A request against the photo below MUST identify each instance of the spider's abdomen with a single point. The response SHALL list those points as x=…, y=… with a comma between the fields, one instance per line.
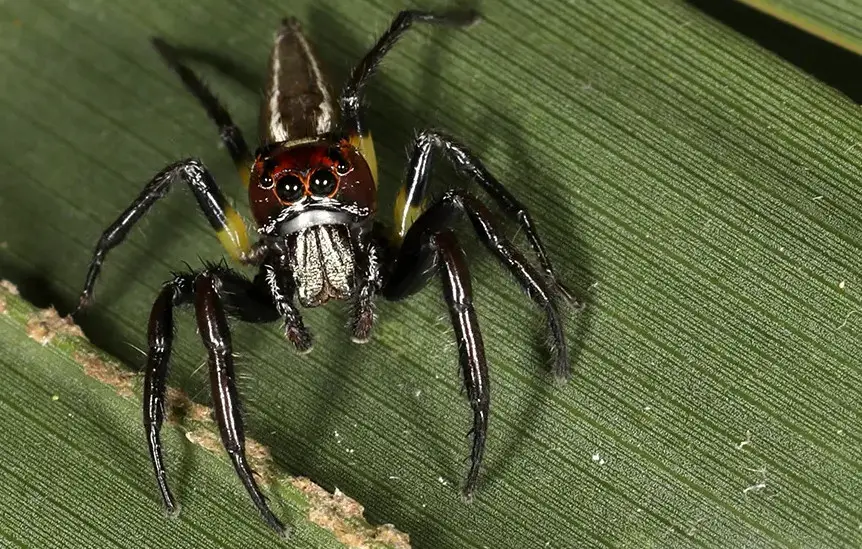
x=321, y=258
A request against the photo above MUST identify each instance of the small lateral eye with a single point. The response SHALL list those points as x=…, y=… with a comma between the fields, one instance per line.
x=289, y=188
x=266, y=182
x=322, y=182
x=342, y=167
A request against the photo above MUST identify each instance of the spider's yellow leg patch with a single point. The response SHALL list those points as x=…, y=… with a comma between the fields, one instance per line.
x=405, y=213
x=244, y=175
x=365, y=145
x=232, y=234
x=244, y=168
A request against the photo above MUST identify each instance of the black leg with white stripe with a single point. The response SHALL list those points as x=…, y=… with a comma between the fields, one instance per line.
x=353, y=91
x=229, y=227
x=216, y=293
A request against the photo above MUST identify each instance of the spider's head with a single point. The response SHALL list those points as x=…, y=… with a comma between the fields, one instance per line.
x=300, y=184
x=314, y=196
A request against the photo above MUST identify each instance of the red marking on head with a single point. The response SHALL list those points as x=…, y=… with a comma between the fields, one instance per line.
x=289, y=173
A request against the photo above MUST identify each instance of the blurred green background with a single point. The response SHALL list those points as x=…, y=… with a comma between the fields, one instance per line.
x=694, y=186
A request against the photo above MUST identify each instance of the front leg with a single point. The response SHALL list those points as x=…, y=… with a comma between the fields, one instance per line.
x=407, y=278
x=160, y=341
x=228, y=224
x=458, y=292
x=242, y=300
x=438, y=250
x=213, y=327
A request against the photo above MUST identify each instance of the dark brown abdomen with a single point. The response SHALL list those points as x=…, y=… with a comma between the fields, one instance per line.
x=297, y=102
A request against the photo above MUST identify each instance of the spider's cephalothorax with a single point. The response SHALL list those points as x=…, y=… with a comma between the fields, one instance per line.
x=312, y=189
x=312, y=198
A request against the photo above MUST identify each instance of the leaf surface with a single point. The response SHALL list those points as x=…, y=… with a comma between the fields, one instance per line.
x=697, y=190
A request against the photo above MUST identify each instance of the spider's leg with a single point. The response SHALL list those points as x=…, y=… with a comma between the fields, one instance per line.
x=243, y=300
x=410, y=201
x=351, y=95
x=160, y=338
x=406, y=279
x=228, y=224
x=282, y=290
x=432, y=248
x=459, y=298
x=230, y=134
x=213, y=327
x=370, y=280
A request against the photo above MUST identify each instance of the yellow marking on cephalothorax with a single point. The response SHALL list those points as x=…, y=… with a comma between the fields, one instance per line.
x=365, y=145
x=405, y=214
x=233, y=235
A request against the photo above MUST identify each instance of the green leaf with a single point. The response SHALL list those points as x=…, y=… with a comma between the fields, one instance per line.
x=699, y=191
x=836, y=22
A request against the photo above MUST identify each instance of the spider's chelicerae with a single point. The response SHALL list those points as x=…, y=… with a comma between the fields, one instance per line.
x=312, y=188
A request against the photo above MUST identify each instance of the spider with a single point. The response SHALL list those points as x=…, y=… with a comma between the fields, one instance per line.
x=312, y=189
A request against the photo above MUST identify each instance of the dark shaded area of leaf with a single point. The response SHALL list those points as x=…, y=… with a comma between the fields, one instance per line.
x=824, y=60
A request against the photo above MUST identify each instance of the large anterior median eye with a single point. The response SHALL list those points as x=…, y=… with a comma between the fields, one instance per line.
x=289, y=188
x=322, y=182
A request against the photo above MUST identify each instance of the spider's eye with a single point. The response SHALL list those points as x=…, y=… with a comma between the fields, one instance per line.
x=289, y=188
x=342, y=167
x=322, y=182
x=266, y=182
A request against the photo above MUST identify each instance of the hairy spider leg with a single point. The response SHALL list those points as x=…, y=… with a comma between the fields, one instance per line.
x=431, y=247
x=245, y=300
x=351, y=97
x=407, y=276
x=409, y=203
x=228, y=224
x=420, y=255
x=230, y=133
x=350, y=102
x=160, y=341
x=213, y=327
x=458, y=293
x=215, y=292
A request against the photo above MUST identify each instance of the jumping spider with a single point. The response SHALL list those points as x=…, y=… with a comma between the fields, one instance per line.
x=312, y=188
